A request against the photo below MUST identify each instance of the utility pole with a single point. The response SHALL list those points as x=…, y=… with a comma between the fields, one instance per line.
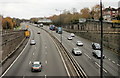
x=101, y=60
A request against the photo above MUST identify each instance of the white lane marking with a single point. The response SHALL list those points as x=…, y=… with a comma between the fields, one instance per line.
x=33, y=53
x=45, y=46
x=30, y=62
x=72, y=43
x=109, y=59
x=45, y=76
x=113, y=61
x=118, y=65
x=87, y=56
x=64, y=37
x=46, y=61
x=16, y=58
x=100, y=66
x=35, y=47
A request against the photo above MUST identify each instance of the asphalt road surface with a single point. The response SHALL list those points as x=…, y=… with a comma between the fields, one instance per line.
x=44, y=51
x=90, y=64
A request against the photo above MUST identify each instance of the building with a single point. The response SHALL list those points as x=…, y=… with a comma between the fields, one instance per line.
x=109, y=13
x=44, y=20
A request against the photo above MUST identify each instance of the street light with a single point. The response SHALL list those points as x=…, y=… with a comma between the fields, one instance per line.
x=60, y=23
x=101, y=61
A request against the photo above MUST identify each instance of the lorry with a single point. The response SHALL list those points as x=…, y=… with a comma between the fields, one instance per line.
x=27, y=34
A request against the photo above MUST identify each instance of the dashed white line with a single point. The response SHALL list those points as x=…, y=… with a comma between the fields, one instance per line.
x=45, y=76
x=45, y=46
x=33, y=53
x=30, y=62
x=46, y=61
x=109, y=59
x=87, y=56
x=99, y=67
x=113, y=61
x=118, y=65
x=72, y=43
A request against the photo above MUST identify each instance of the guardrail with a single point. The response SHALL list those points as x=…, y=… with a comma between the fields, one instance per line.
x=74, y=68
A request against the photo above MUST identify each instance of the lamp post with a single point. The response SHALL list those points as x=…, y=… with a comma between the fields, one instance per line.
x=101, y=60
x=60, y=24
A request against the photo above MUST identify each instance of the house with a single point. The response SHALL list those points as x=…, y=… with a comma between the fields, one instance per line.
x=109, y=13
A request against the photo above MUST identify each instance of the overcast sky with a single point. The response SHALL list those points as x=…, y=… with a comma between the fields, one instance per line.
x=45, y=8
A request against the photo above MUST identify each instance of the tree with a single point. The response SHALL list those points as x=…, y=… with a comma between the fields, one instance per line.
x=95, y=12
x=85, y=13
x=8, y=23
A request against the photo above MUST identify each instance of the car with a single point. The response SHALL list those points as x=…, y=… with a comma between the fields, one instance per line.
x=97, y=54
x=96, y=46
x=69, y=38
x=38, y=32
x=72, y=35
x=32, y=42
x=76, y=51
x=36, y=66
x=79, y=43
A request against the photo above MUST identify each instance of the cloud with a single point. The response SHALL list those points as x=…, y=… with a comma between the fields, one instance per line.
x=38, y=8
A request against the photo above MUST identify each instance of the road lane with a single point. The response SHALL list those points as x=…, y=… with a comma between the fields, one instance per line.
x=45, y=51
x=87, y=49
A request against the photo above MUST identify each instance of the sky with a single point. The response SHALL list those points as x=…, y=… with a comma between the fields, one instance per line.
x=44, y=8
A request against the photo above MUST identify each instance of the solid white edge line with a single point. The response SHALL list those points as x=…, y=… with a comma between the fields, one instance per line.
x=15, y=59
x=61, y=58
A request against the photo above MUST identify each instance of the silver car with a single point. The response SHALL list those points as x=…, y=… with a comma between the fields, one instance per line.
x=79, y=43
x=69, y=38
x=72, y=35
x=32, y=42
x=76, y=51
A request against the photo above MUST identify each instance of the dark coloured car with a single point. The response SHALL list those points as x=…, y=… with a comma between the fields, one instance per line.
x=97, y=54
x=36, y=66
x=96, y=46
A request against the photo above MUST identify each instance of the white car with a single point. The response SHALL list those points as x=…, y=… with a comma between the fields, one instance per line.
x=32, y=42
x=72, y=35
x=69, y=38
x=76, y=51
x=79, y=43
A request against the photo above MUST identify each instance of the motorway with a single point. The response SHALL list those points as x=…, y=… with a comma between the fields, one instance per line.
x=90, y=64
x=46, y=52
